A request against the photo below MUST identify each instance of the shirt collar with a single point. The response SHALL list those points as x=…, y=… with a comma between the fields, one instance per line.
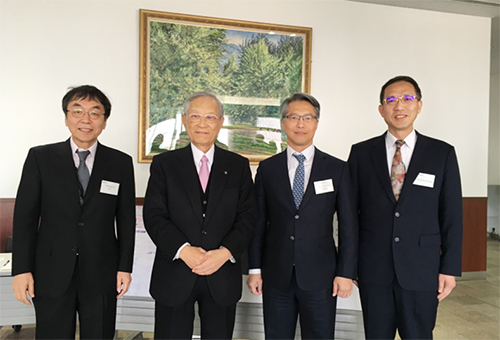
x=307, y=152
x=410, y=140
x=197, y=154
x=75, y=147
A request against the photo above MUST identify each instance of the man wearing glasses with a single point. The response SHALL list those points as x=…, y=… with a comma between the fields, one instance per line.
x=199, y=210
x=74, y=225
x=409, y=203
x=293, y=260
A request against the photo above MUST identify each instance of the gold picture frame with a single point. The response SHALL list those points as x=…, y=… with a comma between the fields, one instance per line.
x=251, y=67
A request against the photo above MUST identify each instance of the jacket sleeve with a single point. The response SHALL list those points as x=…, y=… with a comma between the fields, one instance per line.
x=451, y=218
x=27, y=216
x=125, y=218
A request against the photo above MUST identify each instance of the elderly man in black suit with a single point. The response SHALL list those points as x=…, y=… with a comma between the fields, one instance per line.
x=293, y=259
x=199, y=210
x=74, y=225
x=409, y=203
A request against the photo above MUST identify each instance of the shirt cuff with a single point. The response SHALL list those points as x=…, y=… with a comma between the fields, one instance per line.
x=176, y=257
x=254, y=271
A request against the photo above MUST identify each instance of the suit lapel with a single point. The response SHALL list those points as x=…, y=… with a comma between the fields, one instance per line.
x=283, y=178
x=67, y=169
x=190, y=179
x=378, y=156
x=416, y=163
x=316, y=174
x=101, y=160
x=218, y=178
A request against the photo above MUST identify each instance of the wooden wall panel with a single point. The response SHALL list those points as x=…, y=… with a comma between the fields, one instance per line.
x=474, y=243
x=474, y=246
x=6, y=215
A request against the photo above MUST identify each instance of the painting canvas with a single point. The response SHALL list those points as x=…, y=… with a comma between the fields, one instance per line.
x=251, y=67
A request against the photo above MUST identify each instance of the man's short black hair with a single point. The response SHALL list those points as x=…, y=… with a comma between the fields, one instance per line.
x=87, y=92
x=300, y=97
x=397, y=79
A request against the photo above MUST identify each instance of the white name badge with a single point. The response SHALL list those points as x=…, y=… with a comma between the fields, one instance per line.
x=425, y=180
x=322, y=187
x=110, y=188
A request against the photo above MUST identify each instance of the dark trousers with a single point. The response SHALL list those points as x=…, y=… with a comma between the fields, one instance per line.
x=282, y=307
x=217, y=322
x=56, y=316
x=390, y=307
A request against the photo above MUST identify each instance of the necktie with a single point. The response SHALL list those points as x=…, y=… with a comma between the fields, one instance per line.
x=204, y=172
x=83, y=172
x=298, y=180
x=398, y=170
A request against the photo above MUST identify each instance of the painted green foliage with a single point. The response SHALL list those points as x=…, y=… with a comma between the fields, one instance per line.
x=185, y=59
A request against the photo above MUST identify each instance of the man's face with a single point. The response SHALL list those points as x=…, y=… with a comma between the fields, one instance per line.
x=85, y=130
x=203, y=131
x=300, y=133
x=400, y=115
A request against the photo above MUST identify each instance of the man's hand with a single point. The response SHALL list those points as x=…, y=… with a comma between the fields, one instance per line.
x=193, y=256
x=214, y=260
x=123, y=280
x=446, y=285
x=22, y=283
x=342, y=287
x=254, y=282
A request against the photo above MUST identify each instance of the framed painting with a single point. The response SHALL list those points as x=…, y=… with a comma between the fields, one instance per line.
x=250, y=66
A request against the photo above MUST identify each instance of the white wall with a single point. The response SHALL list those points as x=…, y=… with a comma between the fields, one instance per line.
x=46, y=46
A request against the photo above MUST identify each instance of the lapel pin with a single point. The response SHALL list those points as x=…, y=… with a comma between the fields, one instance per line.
x=225, y=172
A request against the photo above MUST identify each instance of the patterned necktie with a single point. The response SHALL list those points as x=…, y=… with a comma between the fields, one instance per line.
x=83, y=172
x=298, y=180
x=204, y=172
x=397, y=170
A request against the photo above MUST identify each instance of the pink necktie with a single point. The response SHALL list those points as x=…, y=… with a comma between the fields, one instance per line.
x=204, y=172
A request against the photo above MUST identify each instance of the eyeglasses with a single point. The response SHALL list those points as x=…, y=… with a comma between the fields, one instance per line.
x=195, y=117
x=308, y=118
x=405, y=98
x=79, y=113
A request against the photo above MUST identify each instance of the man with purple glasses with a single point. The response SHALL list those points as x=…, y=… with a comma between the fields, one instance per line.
x=409, y=203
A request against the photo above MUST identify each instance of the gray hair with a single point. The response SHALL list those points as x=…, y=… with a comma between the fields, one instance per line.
x=197, y=95
x=300, y=97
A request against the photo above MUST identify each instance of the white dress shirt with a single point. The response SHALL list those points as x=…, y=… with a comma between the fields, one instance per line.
x=89, y=161
x=406, y=149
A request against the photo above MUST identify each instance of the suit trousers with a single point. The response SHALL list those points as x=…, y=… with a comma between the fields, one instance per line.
x=390, y=307
x=317, y=311
x=56, y=316
x=217, y=322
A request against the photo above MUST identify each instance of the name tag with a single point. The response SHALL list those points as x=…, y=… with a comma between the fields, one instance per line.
x=110, y=188
x=322, y=187
x=425, y=180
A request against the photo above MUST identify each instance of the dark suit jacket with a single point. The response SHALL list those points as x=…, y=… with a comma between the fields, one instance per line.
x=285, y=236
x=50, y=225
x=173, y=216
x=418, y=236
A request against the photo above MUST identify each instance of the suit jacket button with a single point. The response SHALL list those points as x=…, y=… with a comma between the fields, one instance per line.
x=81, y=224
x=396, y=214
x=296, y=217
x=396, y=239
x=204, y=232
x=292, y=238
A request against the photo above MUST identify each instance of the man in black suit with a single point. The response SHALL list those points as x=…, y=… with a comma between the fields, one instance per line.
x=199, y=211
x=409, y=203
x=293, y=260
x=74, y=225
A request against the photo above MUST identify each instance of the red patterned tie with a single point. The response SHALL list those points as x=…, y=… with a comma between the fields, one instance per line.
x=398, y=170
